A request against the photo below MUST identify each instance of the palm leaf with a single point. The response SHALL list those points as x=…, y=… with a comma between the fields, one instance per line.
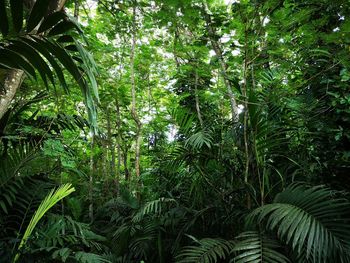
x=50, y=200
x=154, y=207
x=208, y=250
x=254, y=247
x=85, y=257
x=199, y=139
x=45, y=55
x=311, y=220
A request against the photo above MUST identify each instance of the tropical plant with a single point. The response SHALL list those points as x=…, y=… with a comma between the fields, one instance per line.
x=50, y=200
x=256, y=247
x=208, y=250
x=44, y=45
x=312, y=221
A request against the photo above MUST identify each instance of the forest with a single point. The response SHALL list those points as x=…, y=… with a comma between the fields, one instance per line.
x=185, y=131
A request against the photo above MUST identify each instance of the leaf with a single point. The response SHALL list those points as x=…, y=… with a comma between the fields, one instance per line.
x=51, y=21
x=62, y=27
x=199, y=139
x=3, y=206
x=90, y=67
x=17, y=14
x=254, y=247
x=46, y=53
x=4, y=24
x=311, y=220
x=209, y=250
x=85, y=257
x=37, y=13
x=14, y=60
x=34, y=57
x=63, y=253
x=152, y=207
x=50, y=200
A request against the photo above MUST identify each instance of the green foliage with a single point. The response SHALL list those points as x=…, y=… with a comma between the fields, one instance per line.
x=64, y=239
x=14, y=168
x=255, y=247
x=50, y=200
x=50, y=52
x=312, y=220
x=152, y=208
x=208, y=250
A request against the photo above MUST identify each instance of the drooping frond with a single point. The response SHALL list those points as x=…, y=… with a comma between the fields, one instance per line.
x=183, y=119
x=312, y=220
x=45, y=45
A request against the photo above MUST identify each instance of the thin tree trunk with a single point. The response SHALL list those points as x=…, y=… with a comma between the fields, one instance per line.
x=91, y=179
x=176, y=37
x=197, y=99
x=118, y=140
x=133, y=95
x=110, y=143
x=246, y=116
x=76, y=8
x=125, y=162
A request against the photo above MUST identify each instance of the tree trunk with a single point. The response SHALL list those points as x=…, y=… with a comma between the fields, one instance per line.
x=125, y=162
x=12, y=82
x=76, y=8
x=133, y=96
x=197, y=99
x=118, y=124
x=91, y=179
x=110, y=143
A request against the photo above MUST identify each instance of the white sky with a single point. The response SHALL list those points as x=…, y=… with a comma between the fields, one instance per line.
x=228, y=2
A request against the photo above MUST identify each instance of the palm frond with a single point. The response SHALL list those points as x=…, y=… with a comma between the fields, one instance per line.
x=85, y=257
x=197, y=140
x=208, y=250
x=312, y=220
x=15, y=165
x=50, y=200
x=254, y=247
x=183, y=119
x=154, y=207
x=51, y=52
